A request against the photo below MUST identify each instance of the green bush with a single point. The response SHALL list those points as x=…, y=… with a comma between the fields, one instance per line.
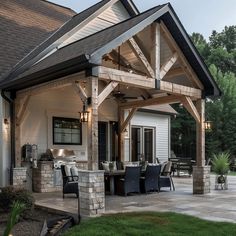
x=9, y=195
x=17, y=209
x=220, y=163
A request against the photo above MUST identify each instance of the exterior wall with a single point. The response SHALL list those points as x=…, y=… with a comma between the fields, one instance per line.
x=4, y=144
x=161, y=123
x=64, y=102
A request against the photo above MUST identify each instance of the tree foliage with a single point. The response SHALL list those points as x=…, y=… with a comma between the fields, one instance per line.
x=220, y=56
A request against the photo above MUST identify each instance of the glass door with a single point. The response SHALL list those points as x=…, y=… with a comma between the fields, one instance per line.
x=148, y=144
x=136, y=145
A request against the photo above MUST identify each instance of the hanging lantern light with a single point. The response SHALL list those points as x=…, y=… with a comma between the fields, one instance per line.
x=208, y=125
x=83, y=115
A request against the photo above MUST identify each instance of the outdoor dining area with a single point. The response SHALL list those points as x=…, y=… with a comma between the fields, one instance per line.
x=134, y=177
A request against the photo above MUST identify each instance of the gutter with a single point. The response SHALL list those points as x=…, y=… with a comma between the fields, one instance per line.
x=12, y=132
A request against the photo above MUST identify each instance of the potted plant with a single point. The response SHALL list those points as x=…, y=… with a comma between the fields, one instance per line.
x=220, y=165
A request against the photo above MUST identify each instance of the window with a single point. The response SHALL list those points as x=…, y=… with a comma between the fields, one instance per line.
x=67, y=131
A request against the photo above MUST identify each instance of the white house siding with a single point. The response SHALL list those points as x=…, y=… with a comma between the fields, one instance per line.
x=4, y=144
x=161, y=123
x=113, y=15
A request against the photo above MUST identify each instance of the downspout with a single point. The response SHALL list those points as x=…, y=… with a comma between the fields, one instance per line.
x=12, y=132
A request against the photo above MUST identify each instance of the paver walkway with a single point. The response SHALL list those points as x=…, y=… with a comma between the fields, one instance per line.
x=219, y=205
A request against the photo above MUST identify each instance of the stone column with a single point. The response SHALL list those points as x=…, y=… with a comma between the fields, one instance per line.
x=20, y=177
x=201, y=173
x=43, y=177
x=201, y=179
x=91, y=193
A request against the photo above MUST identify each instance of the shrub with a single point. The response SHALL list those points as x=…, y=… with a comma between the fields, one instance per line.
x=220, y=163
x=17, y=209
x=9, y=195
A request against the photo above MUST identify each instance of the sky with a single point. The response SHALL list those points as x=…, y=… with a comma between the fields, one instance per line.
x=201, y=16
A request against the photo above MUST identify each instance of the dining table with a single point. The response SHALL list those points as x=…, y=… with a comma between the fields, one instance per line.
x=111, y=176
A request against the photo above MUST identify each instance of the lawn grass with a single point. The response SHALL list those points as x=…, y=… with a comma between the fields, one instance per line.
x=151, y=223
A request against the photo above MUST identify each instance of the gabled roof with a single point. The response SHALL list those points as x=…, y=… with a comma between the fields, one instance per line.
x=89, y=51
x=23, y=25
x=77, y=20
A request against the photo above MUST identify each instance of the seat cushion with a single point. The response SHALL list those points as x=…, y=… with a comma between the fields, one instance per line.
x=68, y=172
x=105, y=166
x=75, y=173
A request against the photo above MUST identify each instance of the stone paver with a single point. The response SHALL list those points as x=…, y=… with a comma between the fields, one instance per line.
x=218, y=205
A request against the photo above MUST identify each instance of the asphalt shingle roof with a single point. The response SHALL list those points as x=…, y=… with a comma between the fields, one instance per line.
x=24, y=24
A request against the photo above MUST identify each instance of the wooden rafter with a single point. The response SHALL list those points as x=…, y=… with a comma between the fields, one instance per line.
x=178, y=89
x=190, y=107
x=106, y=91
x=169, y=63
x=127, y=120
x=140, y=55
x=123, y=77
x=175, y=48
x=152, y=101
x=80, y=91
x=156, y=49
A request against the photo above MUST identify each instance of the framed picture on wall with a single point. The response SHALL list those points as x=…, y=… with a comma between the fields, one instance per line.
x=66, y=131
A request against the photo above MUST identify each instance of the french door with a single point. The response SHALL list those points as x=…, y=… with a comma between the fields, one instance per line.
x=142, y=143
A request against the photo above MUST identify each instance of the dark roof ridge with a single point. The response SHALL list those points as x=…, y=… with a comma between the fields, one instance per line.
x=56, y=4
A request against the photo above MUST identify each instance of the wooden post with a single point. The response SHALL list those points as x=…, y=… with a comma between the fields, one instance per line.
x=92, y=128
x=120, y=135
x=200, y=128
x=156, y=49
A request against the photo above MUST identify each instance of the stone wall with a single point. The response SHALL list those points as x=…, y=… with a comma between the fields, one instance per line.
x=201, y=179
x=91, y=193
x=20, y=177
x=43, y=177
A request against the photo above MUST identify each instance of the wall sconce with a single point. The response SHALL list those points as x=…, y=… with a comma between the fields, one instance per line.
x=6, y=121
x=208, y=125
x=83, y=115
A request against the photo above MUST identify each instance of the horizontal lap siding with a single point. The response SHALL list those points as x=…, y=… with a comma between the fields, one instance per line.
x=109, y=17
x=161, y=124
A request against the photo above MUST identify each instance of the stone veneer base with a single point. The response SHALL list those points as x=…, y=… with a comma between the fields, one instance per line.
x=201, y=179
x=91, y=193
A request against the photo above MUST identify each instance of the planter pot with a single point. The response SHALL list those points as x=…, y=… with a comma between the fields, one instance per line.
x=221, y=182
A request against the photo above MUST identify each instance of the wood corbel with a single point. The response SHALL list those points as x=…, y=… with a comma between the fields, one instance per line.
x=106, y=91
x=127, y=120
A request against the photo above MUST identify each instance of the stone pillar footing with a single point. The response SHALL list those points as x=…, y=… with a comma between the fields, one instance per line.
x=91, y=193
x=201, y=179
x=19, y=177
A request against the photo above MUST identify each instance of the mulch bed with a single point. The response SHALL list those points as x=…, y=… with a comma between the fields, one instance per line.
x=29, y=225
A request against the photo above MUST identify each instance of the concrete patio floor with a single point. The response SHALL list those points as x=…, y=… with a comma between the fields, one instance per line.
x=219, y=205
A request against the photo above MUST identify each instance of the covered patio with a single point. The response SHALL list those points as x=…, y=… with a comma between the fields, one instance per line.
x=148, y=58
x=215, y=206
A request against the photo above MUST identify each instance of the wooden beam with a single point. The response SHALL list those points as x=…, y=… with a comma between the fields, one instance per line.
x=123, y=77
x=80, y=91
x=175, y=48
x=190, y=107
x=156, y=49
x=152, y=101
x=200, y=141
x=140, y=55
x=177, y=89
x=169, y=63
x=48, y=86
x=127, y=120
x=106, y=91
